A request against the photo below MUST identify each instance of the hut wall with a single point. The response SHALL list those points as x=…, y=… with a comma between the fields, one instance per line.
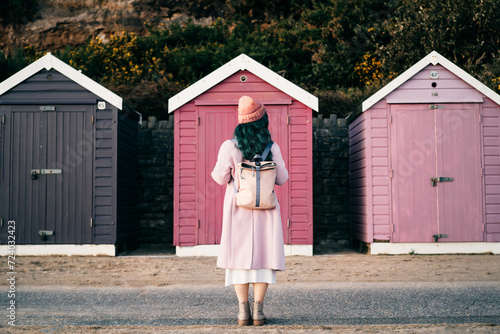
x=360, y=203
x=185, y=223
x=491, y=137
x=297, y=158
x=104, y=223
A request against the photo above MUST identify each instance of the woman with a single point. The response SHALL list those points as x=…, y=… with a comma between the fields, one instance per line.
x=251, y=247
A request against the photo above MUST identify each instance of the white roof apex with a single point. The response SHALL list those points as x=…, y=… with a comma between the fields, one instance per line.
x=50, y=62
x=242, y=63
x=433, y=58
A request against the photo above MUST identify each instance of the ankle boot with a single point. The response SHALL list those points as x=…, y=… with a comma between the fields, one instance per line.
x=258, y=315
x=244, y=315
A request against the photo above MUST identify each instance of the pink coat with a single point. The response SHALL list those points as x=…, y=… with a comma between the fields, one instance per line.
x=251, y=239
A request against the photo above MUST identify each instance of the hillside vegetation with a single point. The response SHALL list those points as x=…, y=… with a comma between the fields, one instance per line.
x=340, y=50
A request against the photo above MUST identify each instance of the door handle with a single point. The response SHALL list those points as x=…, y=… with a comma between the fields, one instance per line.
x=440, y=179
x=35, y=172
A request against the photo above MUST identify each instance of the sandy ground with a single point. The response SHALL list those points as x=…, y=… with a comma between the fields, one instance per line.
x=163, y=270
x=170, y=270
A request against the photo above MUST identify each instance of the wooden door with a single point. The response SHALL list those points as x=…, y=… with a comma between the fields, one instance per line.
x=460, y=204
x=50, y=163
x=279, y=132
x=217, y=124
x=428, y=143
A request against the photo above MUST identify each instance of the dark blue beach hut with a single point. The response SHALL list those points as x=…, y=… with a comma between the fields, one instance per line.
x=68, y=163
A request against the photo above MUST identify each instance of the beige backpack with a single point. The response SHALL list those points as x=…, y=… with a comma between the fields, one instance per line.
x=256, y=181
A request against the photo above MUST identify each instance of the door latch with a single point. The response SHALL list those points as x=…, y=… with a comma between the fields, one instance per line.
x=438, y=236
x=44, y=233
x=35, y=172
x=440, y=179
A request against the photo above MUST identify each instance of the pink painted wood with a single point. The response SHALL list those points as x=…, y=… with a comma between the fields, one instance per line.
x=429, y=143
x=413, y=164
x=491, y=141
x=209, y=119
x=460, y=203
x=459, y=208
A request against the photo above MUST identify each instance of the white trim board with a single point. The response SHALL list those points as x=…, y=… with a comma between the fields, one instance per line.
x=386, y=248
x=213, y=250
x=48, y=62
x=433, y=58
x=69, y=250
x=242, y=63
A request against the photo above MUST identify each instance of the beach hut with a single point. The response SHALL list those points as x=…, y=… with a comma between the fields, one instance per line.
x=205, y=116
x=67, y=163
x=425, y=164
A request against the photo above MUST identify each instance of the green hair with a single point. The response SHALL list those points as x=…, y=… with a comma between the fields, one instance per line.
x=253, y=137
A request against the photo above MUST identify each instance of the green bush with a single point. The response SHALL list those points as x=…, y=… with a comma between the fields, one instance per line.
x=341, y=50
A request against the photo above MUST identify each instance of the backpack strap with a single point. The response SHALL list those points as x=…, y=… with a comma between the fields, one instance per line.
x=266, y=151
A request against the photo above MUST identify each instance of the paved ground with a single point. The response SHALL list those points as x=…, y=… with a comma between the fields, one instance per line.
x=341, y=293
x=304, y=304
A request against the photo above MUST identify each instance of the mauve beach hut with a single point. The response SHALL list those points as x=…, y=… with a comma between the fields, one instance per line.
x=205, y=115
x=68, y=163
x=425, y=164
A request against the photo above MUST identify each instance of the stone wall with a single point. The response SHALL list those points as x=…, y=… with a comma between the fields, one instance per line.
x=156, y=192
x=330, y=184
x=330, y=177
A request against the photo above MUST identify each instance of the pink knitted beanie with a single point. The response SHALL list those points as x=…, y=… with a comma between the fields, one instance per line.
x=249, y=110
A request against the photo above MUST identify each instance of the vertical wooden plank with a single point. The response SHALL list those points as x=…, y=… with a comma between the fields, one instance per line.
x=310, y=211
x=413, y=148
x=176, y=177
x=201, y=182
x=88, y=173
x=51, y=189
x=217, y=125
x=458, y=156
x=280, y=132
x=5, y=171
x=28, y=192
x=114, y=172
x=66, y=175
x=58, y=163
x=17, y=192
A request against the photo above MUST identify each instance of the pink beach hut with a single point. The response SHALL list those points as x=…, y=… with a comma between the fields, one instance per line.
x=425, y=164
x=205, y=115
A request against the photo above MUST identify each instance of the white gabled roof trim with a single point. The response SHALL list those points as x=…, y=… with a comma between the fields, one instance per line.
x=433, y=58
x=50, y=62
x=242, y=63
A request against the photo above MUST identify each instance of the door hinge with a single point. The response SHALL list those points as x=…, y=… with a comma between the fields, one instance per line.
x=480, y=118
x=3, y=119
x=199, y=223
x=287, y=119
x=390, y=119
x=1, y=222
x=390, y=173
x=92, y=119
x=392, y=228
x=288, y=223
x=483, y=227
x=91, y=223
x=199, y=122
